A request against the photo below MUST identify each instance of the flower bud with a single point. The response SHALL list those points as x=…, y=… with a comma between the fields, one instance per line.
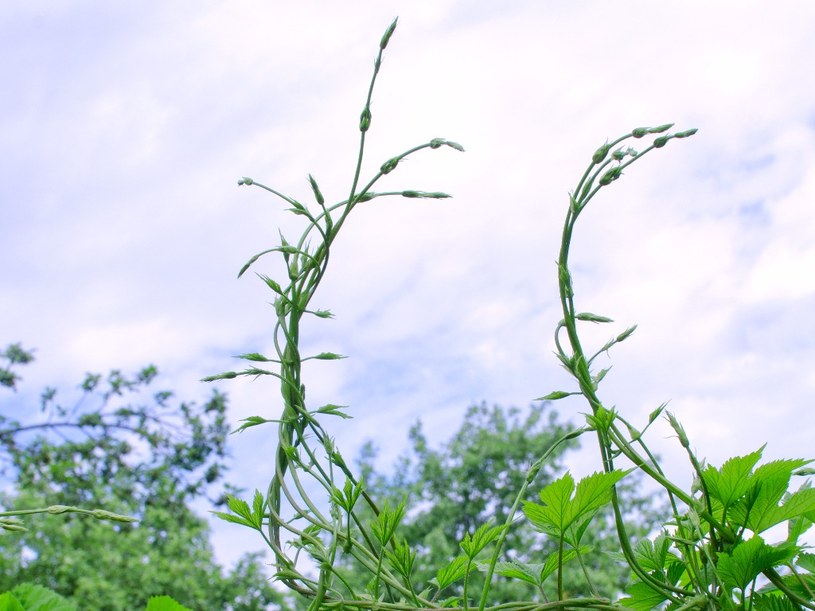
x=365, y=119
x=600, y=153
x=639, y=132
x=660, y=129
x=387, y=35
x=317, y=194
x=686, y=133
x=661, y=141
x=610, y=176
x=389, y=165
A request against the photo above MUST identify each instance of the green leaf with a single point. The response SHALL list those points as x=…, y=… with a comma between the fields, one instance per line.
x=164, y=603
x=652, y=555
x=333, y=410
x=228, y=517
x=34, y=597
x=749, y=558
x=558, y=394
x=732, y=481
x=9, y=603
x=641, y=597
x=530, y=573
x=562, y=516
x=250, y=422
x=453, y=572
x=483, y=536
x=257, y=508
x=550, y=566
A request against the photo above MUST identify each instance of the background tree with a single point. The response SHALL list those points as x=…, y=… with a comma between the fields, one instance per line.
x=125, y=449
x=474, y=477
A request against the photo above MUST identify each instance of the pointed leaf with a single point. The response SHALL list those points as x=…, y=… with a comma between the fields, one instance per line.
x=453, y=572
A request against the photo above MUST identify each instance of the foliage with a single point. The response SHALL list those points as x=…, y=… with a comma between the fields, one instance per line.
x=711, y=554
x=135, y=453
x=474, y=477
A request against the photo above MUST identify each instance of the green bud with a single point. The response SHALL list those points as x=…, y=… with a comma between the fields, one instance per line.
x=317, y=195
x=101, y=514
x=425, y=194
x=661, y=141
x=610, y=176
x=388, y=33
x=365, y=119
x=687, y=133
x=389, y=165
x=365, y=197
x=639, y=132
x=626, y=334
x=56, y=509
x=245, y=181
x=600, y=153
x=589, y=317
x=438, y=142
x=660, y=129
x=619, y=155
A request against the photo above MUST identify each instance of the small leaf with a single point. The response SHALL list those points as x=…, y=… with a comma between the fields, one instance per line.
x=250, y=422
x=333, y=410
x=483, y=536
x=453, y=572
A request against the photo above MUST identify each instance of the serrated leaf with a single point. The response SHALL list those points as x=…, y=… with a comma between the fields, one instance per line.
x=567, y=516
x=530, y=573
x=238, y=507
x=652, y=555
x=35, y=597
x=453, y=572
x=164, y=603
x=642, y=598
x=257, y=508
x=230, y=517
x=9, y=603
x=550, y=565
x=749, y=558
x=481, y=538
x=732, y=480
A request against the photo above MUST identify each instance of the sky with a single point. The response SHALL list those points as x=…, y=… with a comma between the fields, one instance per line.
x=124, y=128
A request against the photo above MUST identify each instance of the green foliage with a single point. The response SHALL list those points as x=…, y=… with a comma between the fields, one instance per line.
x=141, y=457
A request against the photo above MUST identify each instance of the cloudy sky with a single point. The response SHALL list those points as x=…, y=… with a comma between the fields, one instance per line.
x=124, y=128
